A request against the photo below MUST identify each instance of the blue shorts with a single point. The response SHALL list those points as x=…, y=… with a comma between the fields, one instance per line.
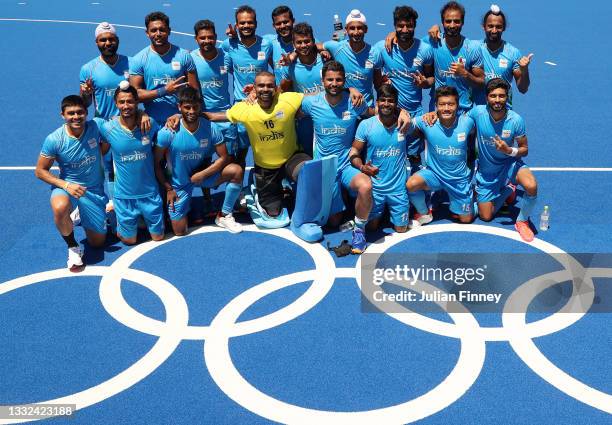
x=459, y=191
x=230, y=135
x=343, y=180
x=182, y=205
x=92, y=208
x=128, y=211
x=489, y=187
x=243, y=138
x=398, y=205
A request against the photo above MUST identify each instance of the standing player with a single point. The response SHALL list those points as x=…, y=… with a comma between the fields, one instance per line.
x=76, y=148
x=386, y=160
x=409, y=67
x=499, y=161
x=335, y=119
x=282, y=41
x=189, y=154
x=136, y=190
x=446, y=159
x=248, y=55
x=159, y=70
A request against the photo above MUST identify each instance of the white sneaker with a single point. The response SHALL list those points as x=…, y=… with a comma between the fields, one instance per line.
x=421, y=219
x=228, y=222
x=75, y=216
x=75, y=259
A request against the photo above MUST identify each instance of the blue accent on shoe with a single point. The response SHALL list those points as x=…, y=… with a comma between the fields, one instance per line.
x=359, y=241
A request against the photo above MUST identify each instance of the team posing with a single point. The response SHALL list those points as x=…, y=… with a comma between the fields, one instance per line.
x=318, y=101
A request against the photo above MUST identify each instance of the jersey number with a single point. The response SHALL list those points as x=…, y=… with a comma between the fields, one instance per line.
x=269, y=124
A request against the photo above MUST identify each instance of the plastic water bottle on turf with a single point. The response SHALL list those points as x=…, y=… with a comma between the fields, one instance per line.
x=338, y=34
x=545, y=219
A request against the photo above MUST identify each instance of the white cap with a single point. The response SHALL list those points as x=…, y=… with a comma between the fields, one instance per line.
x=355, y=16
x=495, y=9
x=105, y=27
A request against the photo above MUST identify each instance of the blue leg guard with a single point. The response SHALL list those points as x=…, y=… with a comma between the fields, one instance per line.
x=258, y=214
x=313, y=198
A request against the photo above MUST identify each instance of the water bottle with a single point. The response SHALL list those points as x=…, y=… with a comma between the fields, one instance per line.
x=544, y=219
x=347, y=226
x=338, y=34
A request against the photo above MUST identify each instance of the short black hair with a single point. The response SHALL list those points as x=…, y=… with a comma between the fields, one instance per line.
x=157, y=16
x=332, y=66
x=497, y=83
x=129, y=89
x=387, y=90
x=303, y=28
x=264, y=74
x=279, y=10
x=204, y=24
x=447, y=91
x=489, y=13
x=452, y=5
x=404, y=13
x=245, y=8
x=188, y=94
x=72, y=100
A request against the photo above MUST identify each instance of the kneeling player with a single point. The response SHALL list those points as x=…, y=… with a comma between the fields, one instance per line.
x=499, y=161
x=446, y=162
x=136, y=189
x=188, y=152
x=386, y=160
x=76, y=148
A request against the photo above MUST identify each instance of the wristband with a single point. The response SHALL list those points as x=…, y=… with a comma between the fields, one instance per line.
x=161, y=92
x=514, y=152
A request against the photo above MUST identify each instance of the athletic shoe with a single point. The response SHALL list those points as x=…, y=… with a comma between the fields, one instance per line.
x=512, y=197
x=524, y=230
x=421, y=219
x=359, y=241
x=75, y=216
x=75, y=259
x=228, y=222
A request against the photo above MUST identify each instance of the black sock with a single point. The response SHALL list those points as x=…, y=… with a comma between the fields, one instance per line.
x=70, y=241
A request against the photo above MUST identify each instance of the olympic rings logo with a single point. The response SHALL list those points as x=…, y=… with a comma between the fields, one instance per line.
x=225, y=325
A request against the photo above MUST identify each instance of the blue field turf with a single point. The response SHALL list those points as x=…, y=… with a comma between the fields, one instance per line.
x=57, y=339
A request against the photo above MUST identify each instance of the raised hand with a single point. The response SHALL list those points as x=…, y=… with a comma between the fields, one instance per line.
x=525, y=60
x=230, y=31
x=501, y=146
x=419, y=79
x=87, y=88
x=174, y=85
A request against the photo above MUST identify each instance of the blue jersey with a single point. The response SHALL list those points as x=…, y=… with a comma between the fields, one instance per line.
x=387, y=151
x=358, y=66
x=133, y=156
x=279, y=48
x=187, y=151
x=246, y=62
x=158, y=71
x=306, y=78
x=446, y=148
x=400, y=64
x=491, y=162
x=79, y=160
x=106, y=79
x=213, y=80
x=468, y=52
x=498, y=64
x=334, y=126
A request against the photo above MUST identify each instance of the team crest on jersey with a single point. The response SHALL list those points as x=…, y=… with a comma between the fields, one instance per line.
x=346, y=115
x=261, y=55
x=506, y=133
x=203, y=143
x=503, y=63
x=279, y=115
x=145, y=140
x=222, y=70
x=400, y=137
x=369, y=64
x=461, y=137
x=92, y=143
x=176, y=66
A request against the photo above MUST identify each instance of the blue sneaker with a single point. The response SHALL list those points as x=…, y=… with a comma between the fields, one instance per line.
x=359, y=241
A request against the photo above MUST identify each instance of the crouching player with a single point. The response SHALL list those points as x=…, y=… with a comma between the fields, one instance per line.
x=386, y=160
x=136, y=191
x=446, y=159
x=188, y=153
x=500, y=164
x=76, y=148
